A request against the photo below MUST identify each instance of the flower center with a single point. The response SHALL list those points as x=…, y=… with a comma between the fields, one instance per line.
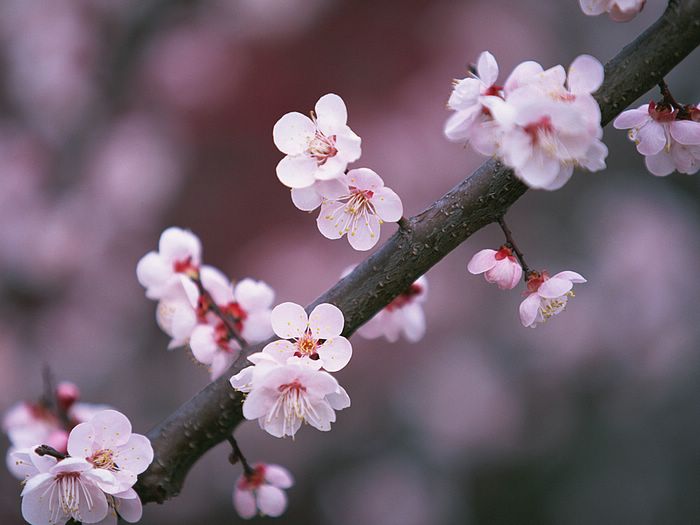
x=359, y=201
x=552, y=307
x=103, y=459
x=540, y=129
x=322, y=148
x=504, y=252
x=254, y=480
x=535, y=280
x=661, y=113
x=186, y=266
x=67, y=489
x=307, y=346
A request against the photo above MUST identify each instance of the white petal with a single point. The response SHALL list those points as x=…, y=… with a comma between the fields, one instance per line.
x=364, y=179
x=35, y=503
x=112, y=428
x=271, y=500
x=660, y=164
x=487, y=68
x=81, y=441
x=482, y=261
x=387, y=204
x=652, y=138
x=257, y=327
x=176, y=244
x=332, y=220
x=280, y=350
x=130, y=509
x=278, y=476
x=257, y=403
x=254, y=295
x=297, y=172
x=365, y=234
x=244, y=503
x=331, y=113
x=339, y=399
x=293, y=132
x=136, y=455
x=153, y=272
x=306, y=199
x=571, y=276
x=326, y=320
x=529, y=308
x=632, y=118
x=349, y=145
x=289, y=320
x=203, y=345
x=95, y=509
x=335, y=353
x=686, y=131
x=554, y=287
x=414, y=322
x=459, y=125
x=585, y=74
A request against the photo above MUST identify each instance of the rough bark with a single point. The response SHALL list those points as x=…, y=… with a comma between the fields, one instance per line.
x=425, y=239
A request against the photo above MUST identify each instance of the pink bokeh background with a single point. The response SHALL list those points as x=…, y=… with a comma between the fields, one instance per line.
x=120, y=118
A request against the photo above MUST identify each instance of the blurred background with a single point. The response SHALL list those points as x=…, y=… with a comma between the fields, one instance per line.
x=119, y=118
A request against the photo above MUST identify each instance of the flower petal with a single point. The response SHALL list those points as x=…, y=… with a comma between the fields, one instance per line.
x=280, y=350
x=365, y=233
x=293, y=132
x=289, y=320
x=387, y=204
x=554, y=287
x=482, y=261
x=136, y=455
x=278, y=476
x=244, y=503
x=571, y=276
x=487, y=68
x=331, y=113
x=326, y=321
x=632, y=118
x=296, y=172
x=306, y=199
x=112, y=428
x=81, y=441
x=335, y=353
x=585, y=74
x=529, y=308
x=271, y=500
x=254, y=295
x=686, y=131
x=364, y=179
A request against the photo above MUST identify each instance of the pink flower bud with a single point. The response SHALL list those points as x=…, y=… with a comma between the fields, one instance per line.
x=67, y=393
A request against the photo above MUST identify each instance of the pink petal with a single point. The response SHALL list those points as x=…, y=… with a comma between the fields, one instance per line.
x=278, y=476
x=176, y=244
x=257, y=327
x=365, y=179
x=332, y=220
x=339, y=399
x=413, y=322
x=326, y=320
x=529, y=308
x=459, y=124
x=387, y=204
x=293, y=132
x=296, y=172
x=585, y=74
x=289, y=320
x=506, y=274
x=539, y=171
x=660, y=164
x=280, y=350
x=95, y=508
x=686, y=131
x=335, y=353
x=244, y=503
x=632, y=118
x=365, y=233
x=153, y=271
x=565, y=173
x=487, y=68
x=306, y=199
x=571, y=276
x=112, y=428
x=482, y=261
x=253, y=295
x=271, y=500
x=349, y=146
x=136, y=455
x=522, y=75
x=221, y=363
x=331, y=113
x=129, y=506
x=332, y=169
x=35, y=503
x=652, y=138
x=257, y=403
x=81, y=441
x=554, y=287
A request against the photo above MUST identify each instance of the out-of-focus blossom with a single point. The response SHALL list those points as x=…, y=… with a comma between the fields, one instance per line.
x=127, y=505
x=317, y=148
x=499, y=267
x=402, y=316
x=286, y=395
x=360, y=212
x=179, y=253
x=618, y=10
x=262, y=491
x=314, y=338
x=57, y=491
x=106, y=443
x=547, y=296
x=667, y=141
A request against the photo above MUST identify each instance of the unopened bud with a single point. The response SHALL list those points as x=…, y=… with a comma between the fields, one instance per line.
x=67, y=393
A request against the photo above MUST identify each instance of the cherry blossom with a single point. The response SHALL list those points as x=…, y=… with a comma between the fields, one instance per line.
x=402, y=316
x=668, y=142
x=106, y=443
x=285, y=395
x=261, y=491
x=314, y=337
x=179, y=253
x=360, y=212
x=316, y=148
x=618, y=10
x=499, y=267
x=56, y=491
x=311, y=197
x=465, y=99
x=127, y=505
x=176, y=315
x=547, y=296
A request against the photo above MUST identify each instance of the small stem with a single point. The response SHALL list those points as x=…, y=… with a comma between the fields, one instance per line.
x=49, y=398
x=668, y=97
x=404, y=224
x=514, y=247
x=45, y=450
x=237, y=455
x=228, y=321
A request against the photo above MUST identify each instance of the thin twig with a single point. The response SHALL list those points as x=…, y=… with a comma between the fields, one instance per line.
x=45, y=450
x=237, y=455
x=225, y=318
x=511, y=244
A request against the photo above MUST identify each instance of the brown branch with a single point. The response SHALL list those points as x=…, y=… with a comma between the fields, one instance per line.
x=510, y=241
x=480, y=199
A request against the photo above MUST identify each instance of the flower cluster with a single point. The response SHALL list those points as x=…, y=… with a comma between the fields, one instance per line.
x=318, y=150
x=47, y=421
x=93, y=482
x=618, y=10
x=545, y=296
x=402, y=316
x=198, y=305
x=289, y=382
x=668, y=136
x=541, y=123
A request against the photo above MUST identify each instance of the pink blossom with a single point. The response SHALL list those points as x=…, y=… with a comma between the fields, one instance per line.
x=402, y=316
x=127, y=505
x=315, y=337
x=317, y=148
x=465, y=99
x=366, y=204
x=499, y=267
x=618, y=10
x=179, y=253
x=56, y=491
x=286, y=395
x=106, y=443
x=261, y=491
x=547, y=296
x=667, y=142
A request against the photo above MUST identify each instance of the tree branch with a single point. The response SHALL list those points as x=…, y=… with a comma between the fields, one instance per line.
x=423, y=240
